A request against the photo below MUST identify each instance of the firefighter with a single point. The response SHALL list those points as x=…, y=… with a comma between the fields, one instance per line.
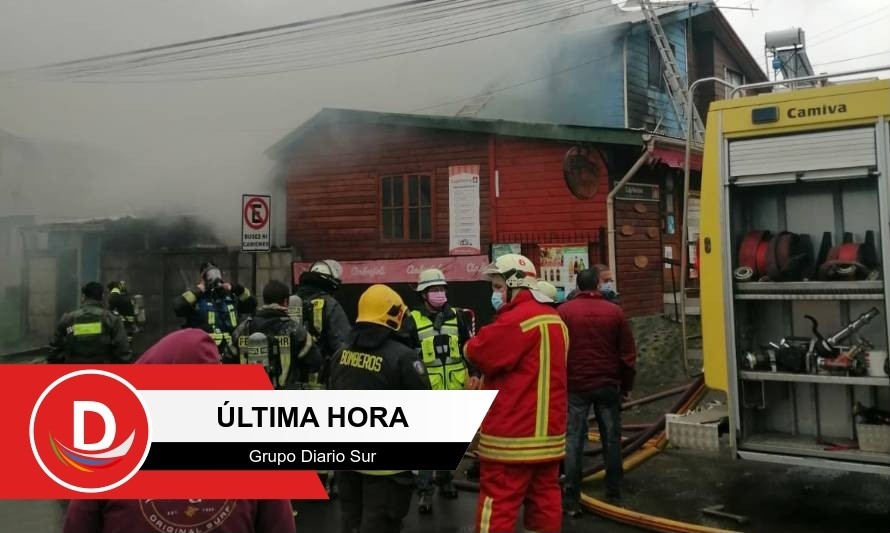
x=120, y=303
x=323, y=316
x=214, y=305
x=522, y=355
x=440, y=333
x=284, y=348
x=326, y=321
x=377, y=501
x=91, y=334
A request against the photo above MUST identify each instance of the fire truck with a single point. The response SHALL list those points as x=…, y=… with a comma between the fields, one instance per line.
x=795, y=257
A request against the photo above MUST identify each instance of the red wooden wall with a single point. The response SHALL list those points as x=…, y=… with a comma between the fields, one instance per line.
x=333, y=199
x=333, y=206
x=534, y=200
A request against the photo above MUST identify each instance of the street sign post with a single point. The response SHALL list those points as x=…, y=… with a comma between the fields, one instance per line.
x=256, y=221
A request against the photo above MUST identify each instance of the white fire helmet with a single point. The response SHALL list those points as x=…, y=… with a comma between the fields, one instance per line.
x=329, y=268
x=431, y=277
x=518, y=272
x=548, y=289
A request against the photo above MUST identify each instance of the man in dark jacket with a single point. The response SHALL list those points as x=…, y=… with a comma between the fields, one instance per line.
x=291, y=354
x=376, y=501
x=600, y=369
x=91, y=334
x=214, y=305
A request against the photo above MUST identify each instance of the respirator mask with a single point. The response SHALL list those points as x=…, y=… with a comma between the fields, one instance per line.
x=212, y=278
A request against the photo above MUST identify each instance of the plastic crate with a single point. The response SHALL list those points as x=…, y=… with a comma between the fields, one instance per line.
x=696, y=431
x=874, y=437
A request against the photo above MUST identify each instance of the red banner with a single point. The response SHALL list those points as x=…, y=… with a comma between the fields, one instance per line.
x=36, y=466
x=458, y=268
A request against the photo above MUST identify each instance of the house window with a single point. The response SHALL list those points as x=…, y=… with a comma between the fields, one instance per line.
x=656, y=65
x=733, y=77
x=406, y=207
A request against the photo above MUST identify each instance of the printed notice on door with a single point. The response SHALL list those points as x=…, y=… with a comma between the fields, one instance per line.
x=463, y=210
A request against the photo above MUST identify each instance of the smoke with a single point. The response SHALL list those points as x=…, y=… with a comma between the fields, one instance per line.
x=193, y=148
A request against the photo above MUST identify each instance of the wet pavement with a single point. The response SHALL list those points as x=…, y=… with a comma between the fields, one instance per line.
x=675, y=484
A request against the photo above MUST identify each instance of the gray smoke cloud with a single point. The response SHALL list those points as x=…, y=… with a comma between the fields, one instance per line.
x=194, y=147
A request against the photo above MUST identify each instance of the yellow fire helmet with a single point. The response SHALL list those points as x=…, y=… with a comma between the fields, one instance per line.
x=381, y=305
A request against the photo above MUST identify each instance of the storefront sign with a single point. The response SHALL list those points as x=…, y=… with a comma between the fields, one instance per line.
x=463, y=210
x=458, y=268
x=640, y=192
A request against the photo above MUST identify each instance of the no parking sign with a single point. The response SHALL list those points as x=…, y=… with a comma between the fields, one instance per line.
x=256, y=214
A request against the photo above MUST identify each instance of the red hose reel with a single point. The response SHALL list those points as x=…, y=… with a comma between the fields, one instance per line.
x=787, y=256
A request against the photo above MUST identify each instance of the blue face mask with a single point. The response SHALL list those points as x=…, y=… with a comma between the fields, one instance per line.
x=497, y=300
x=607, y=287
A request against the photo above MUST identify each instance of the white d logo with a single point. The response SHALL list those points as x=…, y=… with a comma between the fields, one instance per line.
x=83, y=407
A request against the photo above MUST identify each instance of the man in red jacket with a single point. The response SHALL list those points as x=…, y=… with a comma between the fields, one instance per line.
x=600, y=367
x=521, y=354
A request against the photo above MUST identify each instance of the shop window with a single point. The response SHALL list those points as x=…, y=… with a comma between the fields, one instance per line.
x=406, y=207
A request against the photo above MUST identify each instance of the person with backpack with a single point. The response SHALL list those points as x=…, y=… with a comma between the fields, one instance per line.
x=276, y=341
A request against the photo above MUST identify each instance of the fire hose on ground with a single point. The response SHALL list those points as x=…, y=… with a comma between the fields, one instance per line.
x=635, y=451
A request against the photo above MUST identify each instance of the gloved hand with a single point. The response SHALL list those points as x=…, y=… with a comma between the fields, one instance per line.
x=473, y=383
x=226, y=287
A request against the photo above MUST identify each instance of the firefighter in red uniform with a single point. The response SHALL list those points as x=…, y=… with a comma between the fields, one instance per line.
x=522, y=355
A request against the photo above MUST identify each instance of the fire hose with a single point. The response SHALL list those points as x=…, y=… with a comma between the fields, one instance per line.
x=635, y=452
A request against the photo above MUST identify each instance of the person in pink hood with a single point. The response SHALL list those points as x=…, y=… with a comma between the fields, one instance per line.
x=185, y=346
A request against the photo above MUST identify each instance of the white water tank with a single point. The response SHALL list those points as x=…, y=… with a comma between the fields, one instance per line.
x=790, y=38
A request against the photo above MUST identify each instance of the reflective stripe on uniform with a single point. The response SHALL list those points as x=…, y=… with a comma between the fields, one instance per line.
x=190, y=297
x=87, y=328
x=218, y=338
x=244, y=295
x=284, y=357
x=543, y=323
x=233, y=316
x=452, y=373
x=485, y=519
x=522, y=448
x=318, y=315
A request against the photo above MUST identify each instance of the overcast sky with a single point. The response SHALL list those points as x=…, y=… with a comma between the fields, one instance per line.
x=202, y=141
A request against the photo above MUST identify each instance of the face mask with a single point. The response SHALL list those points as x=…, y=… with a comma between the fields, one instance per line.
x=437, y=299
x=497, y=300
x=607, y=287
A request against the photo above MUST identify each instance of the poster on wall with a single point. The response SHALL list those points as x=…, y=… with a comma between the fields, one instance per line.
x=498, y=250
x=463, y=210
x=560, y=265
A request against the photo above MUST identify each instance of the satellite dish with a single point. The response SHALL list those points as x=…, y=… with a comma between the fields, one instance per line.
x=583, y=169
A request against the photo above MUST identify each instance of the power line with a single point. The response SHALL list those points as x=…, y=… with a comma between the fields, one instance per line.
x=300, y=34
x=267, y=29
x=333, y=50
x=464, y=38
x=842, y=24
x=848, y=30
x=851, y=58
